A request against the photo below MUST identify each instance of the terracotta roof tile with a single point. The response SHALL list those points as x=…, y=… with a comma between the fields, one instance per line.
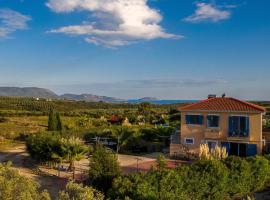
x=223, y=104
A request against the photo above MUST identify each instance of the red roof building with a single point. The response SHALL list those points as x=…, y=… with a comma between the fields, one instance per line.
x=224, y=104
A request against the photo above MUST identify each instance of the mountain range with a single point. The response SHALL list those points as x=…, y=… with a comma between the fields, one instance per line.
x=46, y=93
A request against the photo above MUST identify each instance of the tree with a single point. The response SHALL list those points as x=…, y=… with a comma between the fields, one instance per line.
x=16, y=187
x=59, y=122
x=52, y=121
x=43, y=146
x=75, y=191
x=74, y=150
x=104, y=168
x=123, y=134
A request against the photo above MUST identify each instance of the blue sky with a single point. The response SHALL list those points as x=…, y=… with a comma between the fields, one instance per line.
x=170, y=49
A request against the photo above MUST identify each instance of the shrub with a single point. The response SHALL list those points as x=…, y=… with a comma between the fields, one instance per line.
x=75, y=191
x=260, y=172
x=207, y=179
x=209, y=154
x=103, y=168
x=240, y=179
x=15, y=186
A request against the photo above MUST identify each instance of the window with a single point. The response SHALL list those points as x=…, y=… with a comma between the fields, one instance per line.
x=238, y=126
x=189, y=141
x=212, y=121
x=194, y=119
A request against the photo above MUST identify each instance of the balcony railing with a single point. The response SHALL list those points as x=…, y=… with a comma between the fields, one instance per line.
x=212, y=134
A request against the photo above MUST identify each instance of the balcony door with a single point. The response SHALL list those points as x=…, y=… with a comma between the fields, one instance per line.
x=238, y=126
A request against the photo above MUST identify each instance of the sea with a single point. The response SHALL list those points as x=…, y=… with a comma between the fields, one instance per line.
x=164, y=102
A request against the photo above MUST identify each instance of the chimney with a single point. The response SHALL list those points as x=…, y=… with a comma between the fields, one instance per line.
x=211, y=96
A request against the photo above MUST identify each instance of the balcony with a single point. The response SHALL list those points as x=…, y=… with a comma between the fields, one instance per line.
x=212, y=134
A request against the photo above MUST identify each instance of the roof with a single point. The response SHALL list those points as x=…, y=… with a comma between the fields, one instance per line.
x=226, y=104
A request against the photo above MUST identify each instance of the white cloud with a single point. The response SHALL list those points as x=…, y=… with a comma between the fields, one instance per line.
x=117, y=22
x=208, y=12
x=11, y=21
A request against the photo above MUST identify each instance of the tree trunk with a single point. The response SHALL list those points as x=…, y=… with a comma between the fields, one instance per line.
x=71, y=165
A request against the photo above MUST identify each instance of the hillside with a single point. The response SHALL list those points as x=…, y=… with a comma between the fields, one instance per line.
x=27, y=92
x=89, y=97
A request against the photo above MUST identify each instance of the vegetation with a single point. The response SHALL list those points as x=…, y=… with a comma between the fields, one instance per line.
x=54, y=121
x=75, y=191
x=134, y=128
x=14, y=186
x=103, y=168
x=206, y=179
x=53, y=148
x=217, y=153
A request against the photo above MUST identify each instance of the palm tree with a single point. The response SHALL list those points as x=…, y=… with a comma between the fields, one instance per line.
x=123, y=135
x=75, y=150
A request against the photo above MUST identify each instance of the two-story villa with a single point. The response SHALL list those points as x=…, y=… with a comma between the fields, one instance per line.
x=223, y=121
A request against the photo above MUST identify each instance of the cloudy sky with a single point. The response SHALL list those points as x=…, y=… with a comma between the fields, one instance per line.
x=170, y=49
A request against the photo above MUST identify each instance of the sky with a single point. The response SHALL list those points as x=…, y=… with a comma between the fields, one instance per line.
x=169, y=49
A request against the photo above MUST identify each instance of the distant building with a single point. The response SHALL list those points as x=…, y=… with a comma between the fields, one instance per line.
x=227, y=122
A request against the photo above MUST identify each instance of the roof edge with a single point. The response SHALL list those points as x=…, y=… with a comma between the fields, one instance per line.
x=260, y=109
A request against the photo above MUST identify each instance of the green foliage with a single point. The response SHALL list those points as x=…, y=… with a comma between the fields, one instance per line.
x=165, y=185
x=43, y=146
x=75, y=191
x=207, y=179
x=16, y=187
x=30, y=106
x=232, y=178
x=51, y=147
x=161, y=162
x=74, y=150
x=59, y=122
x=123, y=135
x=240, y=179
x=103, y=168
x=54, y=121
x=260, y=172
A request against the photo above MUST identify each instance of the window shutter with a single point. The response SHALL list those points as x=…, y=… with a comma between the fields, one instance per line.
x=201, y=120
x=208, y=121
x=252, y=149
x=187, y=119
x=230, y=126
x=247, y=126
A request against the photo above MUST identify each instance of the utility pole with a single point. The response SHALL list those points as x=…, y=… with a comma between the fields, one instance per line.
x=175, y=164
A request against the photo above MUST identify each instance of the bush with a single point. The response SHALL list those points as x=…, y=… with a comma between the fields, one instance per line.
x=14, y=186
x=103, y=168
x=43, y=146
x=207, y=179
x=75, y=191
x=260, y=172
x=240, y=179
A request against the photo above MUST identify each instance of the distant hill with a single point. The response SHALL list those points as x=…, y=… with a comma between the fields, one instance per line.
x=27, y=92
x=144, y=99
x=90, y=98
x=48, y=94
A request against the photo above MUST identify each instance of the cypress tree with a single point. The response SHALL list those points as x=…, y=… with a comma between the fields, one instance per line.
x=59, y=123
x=52, y=121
